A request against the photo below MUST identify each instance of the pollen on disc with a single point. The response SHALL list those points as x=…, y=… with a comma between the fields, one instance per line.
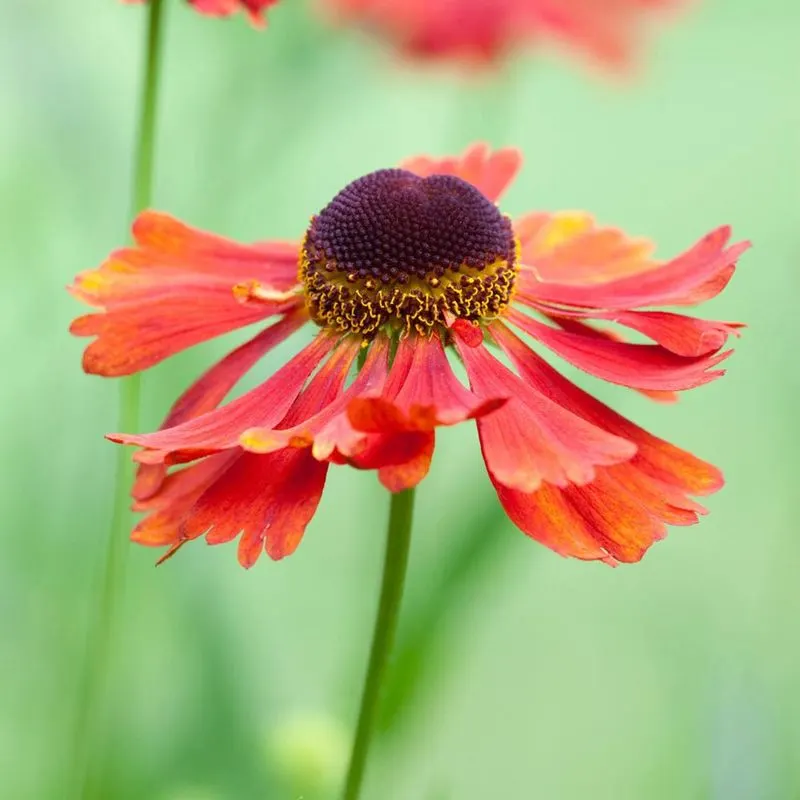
x=393, y=248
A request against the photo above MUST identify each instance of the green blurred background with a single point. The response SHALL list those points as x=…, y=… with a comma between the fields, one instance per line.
x=546, y=678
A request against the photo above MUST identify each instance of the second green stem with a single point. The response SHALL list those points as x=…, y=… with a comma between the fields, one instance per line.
x=93, y=692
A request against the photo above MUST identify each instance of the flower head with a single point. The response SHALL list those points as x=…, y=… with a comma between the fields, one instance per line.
x=404, y=273
x=255, y=9
x=483, y=31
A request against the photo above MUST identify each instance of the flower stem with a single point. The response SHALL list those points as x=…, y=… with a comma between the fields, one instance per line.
x=99, y=646
x=398, y=539
x=145, y=140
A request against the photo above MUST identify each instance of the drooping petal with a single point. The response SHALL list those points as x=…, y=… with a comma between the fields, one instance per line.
x=210, y=390
x=697, y=275
x=667, y=502
x=268, y=499
x=490, y=172
x=148, y=480
x=176, y=495
x=265, y=405
x=627, y=506
x=591, y=522
x=531, y=439
x=640, y=366
x=661, y=460
x=409, y=470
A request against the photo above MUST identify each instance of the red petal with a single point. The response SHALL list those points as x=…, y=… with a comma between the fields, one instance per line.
x=469, y=333
x=640, y=366
x=268, y=499
x=394, y=432
x=210, y=390
x=325, y=428
x=490, y=172
x=658, y=459
x=430, y=395
x=149, y=479
x=576, y=325
x=623, y=511
x=177, y=495
x=681, y=334
x=411, y=469
x=532, y=439
x=220, y=429
x=685, y=336
x=212, y=387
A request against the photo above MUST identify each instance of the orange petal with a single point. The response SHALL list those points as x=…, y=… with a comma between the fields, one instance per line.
x=173, y=290
x=569, y=247
x=696, y=276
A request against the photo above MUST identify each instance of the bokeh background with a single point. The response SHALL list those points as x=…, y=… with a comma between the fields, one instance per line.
x=520, y=675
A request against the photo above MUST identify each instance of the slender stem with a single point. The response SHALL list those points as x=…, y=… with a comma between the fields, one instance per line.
x=145, y=140
x=398, y=539
x=99, y=646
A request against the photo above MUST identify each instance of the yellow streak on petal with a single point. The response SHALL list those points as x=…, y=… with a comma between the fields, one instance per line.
x=565, y=225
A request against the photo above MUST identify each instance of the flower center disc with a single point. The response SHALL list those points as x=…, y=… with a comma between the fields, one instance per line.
x=393, y=249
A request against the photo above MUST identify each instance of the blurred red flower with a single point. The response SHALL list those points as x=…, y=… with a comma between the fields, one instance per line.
x=224, y=8
x=485, y=30
x=405, y=272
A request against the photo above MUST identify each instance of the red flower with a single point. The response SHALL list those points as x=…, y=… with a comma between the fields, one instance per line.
x=224, y=8
x=413, y=268
x=485, y=30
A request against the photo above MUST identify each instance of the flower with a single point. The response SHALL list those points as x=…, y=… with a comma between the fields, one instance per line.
x=483, y=31
x=224, y=8
x=404, y=271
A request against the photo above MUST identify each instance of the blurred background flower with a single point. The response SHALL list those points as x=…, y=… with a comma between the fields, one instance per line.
x=255, y=9
x=577, y=681
x=481, y=32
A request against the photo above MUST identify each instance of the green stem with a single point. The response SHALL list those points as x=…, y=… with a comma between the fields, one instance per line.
x=145, y=140
x=394, y=574
x=99, y=647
